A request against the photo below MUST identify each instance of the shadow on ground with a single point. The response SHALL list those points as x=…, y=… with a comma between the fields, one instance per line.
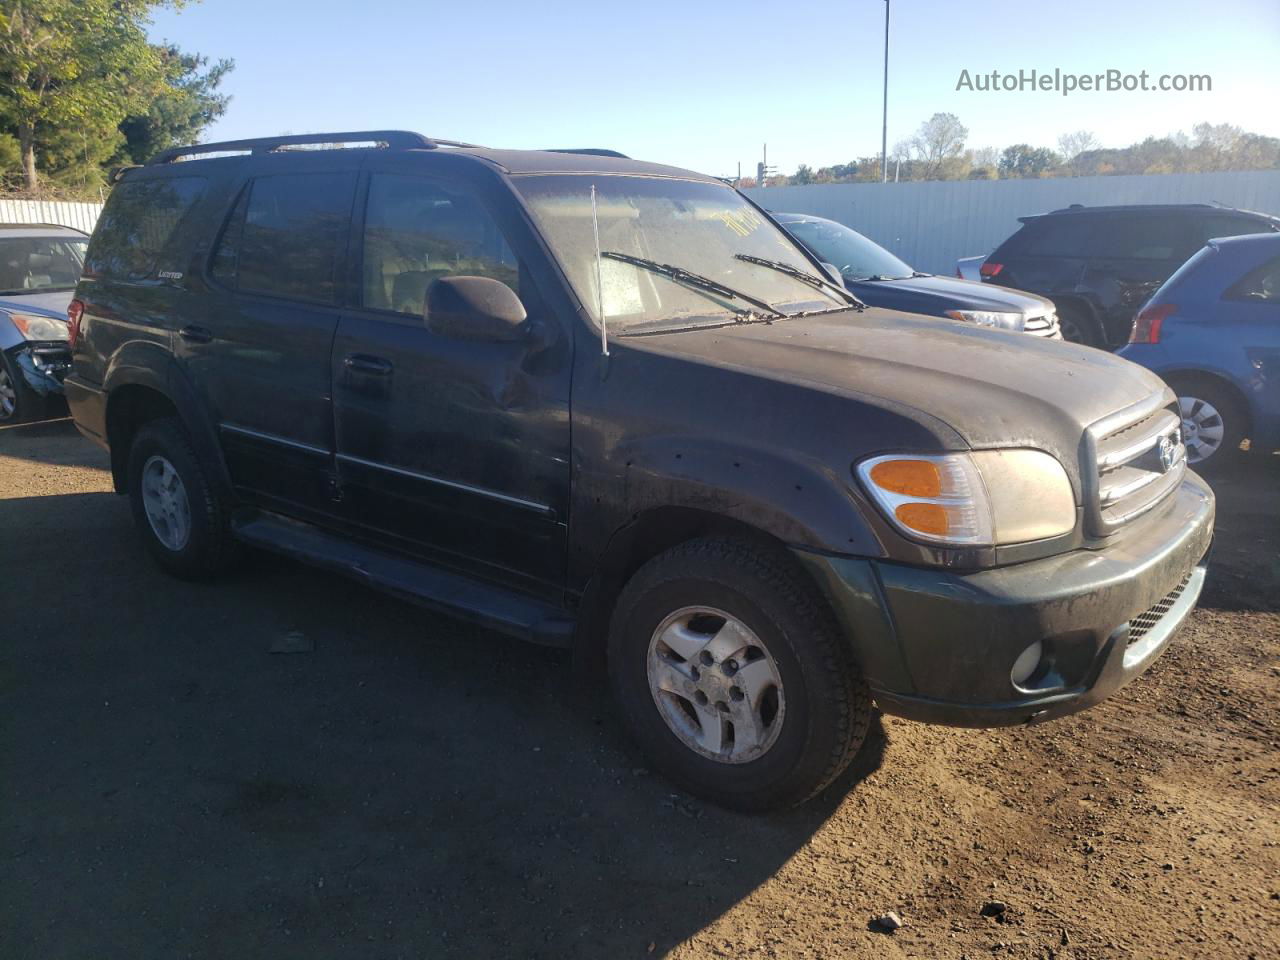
x=172, y=787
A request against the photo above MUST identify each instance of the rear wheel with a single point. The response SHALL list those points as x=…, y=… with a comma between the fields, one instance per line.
x=1078, y=327
x=18, y=402
x=730, y=673
x=1213, y=422
x=176, y=507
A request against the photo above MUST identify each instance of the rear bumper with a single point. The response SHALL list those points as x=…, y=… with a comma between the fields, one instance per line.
x=939, y=646
x=88, y=405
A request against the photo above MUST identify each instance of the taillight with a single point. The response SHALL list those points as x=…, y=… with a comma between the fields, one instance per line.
x=75, y=310
x=1147, y=324
x=990, y=269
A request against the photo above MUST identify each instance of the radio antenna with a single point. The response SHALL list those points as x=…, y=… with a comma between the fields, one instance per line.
x=595, y=226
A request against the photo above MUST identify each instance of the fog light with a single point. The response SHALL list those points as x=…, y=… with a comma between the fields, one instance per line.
x=1026, y=664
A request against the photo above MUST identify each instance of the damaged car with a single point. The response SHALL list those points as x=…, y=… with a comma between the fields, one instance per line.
x=39, y=267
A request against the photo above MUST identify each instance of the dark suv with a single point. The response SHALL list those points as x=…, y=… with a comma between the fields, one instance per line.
x=608, y=405
x=1100, y=264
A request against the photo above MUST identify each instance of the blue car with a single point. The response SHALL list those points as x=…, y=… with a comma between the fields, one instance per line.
x=1212, y=331
x=39, y=266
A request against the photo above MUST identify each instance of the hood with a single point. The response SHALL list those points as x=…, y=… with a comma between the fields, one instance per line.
x=51, y=304
x=934, y=295
x=994, y=388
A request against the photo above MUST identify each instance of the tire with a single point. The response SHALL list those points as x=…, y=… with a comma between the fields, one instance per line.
x=1214, y=422
x=18, y=402
x=161, y=451
x=791, y=746
x=1078, y=327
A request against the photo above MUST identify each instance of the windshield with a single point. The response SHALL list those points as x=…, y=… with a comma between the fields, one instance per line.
x=32, y=264
x=856, y=257
x=695, y=226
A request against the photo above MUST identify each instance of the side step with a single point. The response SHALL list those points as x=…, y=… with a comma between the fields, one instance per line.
x=474, y=601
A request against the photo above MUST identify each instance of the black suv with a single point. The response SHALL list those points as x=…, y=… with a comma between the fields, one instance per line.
x=609, y=405
x=1099, y=265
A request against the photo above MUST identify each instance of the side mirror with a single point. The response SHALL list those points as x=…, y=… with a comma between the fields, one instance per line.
x=475, y=308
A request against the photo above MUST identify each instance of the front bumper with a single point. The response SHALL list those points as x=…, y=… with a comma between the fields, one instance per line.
x=939, y=646
x=44, y=366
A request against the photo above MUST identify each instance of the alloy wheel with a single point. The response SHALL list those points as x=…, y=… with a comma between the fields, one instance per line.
x=716, y=685
x=1202, y=428
x=8, y=395
x=164, y=498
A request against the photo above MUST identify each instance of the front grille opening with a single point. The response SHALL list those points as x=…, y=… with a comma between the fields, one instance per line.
x=1146, y=621
x=1138, y=465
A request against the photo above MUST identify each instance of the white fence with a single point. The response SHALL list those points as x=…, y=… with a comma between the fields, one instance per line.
x=82, y=216
x=931, y=224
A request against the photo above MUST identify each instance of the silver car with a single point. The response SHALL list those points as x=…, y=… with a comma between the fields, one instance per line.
x=39, y=267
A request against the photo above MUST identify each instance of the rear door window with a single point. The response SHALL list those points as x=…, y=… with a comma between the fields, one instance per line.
x=286, y=236
x=139, y=221
x=1143, y=237
x=1225, y=226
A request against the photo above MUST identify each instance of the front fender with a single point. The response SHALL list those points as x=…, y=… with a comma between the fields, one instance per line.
x=798, y=500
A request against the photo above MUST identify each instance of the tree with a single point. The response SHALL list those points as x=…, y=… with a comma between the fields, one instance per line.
x=940, y=139
x=1072, y=145
x=1024, y=160
x=188, y=104
x=66, y=63
x=802, y=176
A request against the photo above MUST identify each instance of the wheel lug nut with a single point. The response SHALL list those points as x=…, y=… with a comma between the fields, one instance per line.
x=736, y=693
x=730, y=667
x=706, y=658
x=701, y=698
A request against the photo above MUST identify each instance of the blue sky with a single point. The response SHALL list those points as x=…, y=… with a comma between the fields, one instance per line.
x=702, y=85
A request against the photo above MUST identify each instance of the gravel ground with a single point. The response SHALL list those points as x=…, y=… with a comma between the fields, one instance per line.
x=402, y=786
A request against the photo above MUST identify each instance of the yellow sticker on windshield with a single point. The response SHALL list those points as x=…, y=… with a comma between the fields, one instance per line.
x=742, y=222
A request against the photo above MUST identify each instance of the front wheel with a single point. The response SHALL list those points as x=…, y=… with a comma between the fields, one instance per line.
x=18, y=402
x=730, y=674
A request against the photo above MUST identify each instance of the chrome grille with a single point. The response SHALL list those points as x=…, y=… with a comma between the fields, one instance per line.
x=1043, y=326
x=1137, y=460
x=1143, y=623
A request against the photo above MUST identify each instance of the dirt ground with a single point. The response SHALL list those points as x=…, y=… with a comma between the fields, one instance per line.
x=401, y=786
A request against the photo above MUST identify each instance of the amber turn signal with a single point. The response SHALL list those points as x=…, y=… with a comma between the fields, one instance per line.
x=912, y=478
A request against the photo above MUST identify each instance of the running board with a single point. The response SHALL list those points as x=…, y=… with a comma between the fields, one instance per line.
x=472, y=600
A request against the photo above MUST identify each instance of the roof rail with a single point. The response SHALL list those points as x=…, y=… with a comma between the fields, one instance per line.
x=393, y=139
x=590, y=152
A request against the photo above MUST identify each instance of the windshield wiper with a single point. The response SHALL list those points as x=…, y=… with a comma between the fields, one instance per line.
x=803, y=277
x=697, y=281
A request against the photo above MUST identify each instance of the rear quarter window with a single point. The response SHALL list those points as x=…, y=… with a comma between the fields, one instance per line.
x=1060, y=236
x=137, y=225
x=1226, y=226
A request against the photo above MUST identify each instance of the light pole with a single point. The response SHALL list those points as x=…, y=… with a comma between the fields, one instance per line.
x=884, y=130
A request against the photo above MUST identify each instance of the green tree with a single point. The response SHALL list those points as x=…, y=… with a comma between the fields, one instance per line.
x=188, y=104
x=1024, y=160
x=74, y=63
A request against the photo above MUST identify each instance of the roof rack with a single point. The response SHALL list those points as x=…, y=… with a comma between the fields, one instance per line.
x=590, y=152
x=392, y=139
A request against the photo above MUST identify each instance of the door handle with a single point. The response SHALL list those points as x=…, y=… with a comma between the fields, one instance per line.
x=363, y=363
x=195, y=334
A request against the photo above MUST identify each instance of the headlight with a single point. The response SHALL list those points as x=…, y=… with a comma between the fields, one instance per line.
x=35, y=327
x=973, y=499
x=988, y=318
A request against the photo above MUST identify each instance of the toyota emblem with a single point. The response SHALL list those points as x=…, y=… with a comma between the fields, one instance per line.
x=1168, y=453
